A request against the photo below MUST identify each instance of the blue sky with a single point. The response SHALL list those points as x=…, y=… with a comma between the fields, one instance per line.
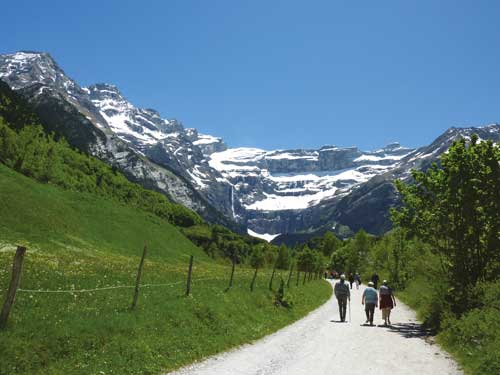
x=281, y=74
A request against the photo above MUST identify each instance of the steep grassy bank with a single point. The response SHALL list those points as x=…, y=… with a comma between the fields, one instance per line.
x=80, y=241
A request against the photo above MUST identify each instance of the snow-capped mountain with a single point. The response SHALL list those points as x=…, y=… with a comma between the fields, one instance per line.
x=159, y=153
x=298, y=179
x=269, y=192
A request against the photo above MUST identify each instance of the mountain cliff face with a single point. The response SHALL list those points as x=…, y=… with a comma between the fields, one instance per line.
x=269, y=192
x=99, y=121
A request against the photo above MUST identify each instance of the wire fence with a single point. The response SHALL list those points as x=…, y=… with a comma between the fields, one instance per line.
x=111, y=287
x=14, y=288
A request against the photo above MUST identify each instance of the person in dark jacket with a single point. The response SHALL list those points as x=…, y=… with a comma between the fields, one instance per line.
x=357, y=280
x=375, y=280
x=351, y=279
x=343, y=294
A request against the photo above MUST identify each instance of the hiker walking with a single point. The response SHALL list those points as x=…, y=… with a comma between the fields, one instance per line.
x=370, y=300
x=387, y=302
x=351, y=279
x=343, y=294
x=357, y=280
x=375, y=279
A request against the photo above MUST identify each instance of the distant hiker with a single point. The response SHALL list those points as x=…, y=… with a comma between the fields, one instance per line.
x=357, y=280
x=387, y=302
x=375, y=279
x=351, y=279
x=370, y=300
x=326, y=275
x=342, y=293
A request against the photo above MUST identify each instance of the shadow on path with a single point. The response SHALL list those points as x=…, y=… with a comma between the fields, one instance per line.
x=409, y=330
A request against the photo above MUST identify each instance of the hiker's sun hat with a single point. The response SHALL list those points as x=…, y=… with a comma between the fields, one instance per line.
x=370, y=283
x=342, y=277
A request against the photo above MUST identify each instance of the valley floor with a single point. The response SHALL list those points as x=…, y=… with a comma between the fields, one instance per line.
x=319, y=344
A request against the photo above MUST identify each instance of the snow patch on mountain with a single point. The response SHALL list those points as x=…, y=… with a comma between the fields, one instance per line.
x=298, y=179
x=264, y=236
x=274, y=202
x=139, y=126
x=269, y=191
x=204, y=139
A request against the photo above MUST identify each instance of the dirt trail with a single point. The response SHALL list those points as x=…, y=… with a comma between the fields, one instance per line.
x=319, y=345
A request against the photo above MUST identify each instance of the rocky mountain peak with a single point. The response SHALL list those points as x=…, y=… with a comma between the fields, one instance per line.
x=392, y=146
x=104, y=90
x=26, y=68
x=277, y=191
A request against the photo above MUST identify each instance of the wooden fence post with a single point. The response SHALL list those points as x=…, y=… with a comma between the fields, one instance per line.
x=17, y=267
x=272, y=277
x=253, y=280
x=190, y=272
x=232, y=274
x=138, y=279
x=289, y=276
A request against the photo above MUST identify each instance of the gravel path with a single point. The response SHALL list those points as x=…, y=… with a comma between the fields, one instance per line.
x=318, y=344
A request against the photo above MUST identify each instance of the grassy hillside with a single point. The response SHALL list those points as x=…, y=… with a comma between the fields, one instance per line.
x=49, y=217
x=80, y=241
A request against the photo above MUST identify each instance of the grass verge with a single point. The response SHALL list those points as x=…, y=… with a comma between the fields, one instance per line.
x=473, y=338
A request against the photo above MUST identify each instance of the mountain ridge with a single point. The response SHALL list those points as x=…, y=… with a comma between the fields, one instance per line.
x=268, y=192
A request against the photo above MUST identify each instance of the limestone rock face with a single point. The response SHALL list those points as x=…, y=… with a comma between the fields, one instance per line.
x=269, y=192
x=100, y=121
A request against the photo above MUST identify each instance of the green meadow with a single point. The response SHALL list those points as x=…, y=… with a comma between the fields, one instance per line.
x=80, y=241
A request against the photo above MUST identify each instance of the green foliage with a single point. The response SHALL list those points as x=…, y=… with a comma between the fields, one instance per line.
x=475, y=337
x=14, y=108
x=37, y=155
x=54, y=218
x=220, y=242
x=444, y=252
x=397, y=258
x=311, y=261
x=84, y=226
x=81, y=240
x=283, y=259
x=330, y=244
x=454, y=208
x=338, y=259
x=257, y=257
x=280, y=298
x=305, y=260
x=357, y=251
